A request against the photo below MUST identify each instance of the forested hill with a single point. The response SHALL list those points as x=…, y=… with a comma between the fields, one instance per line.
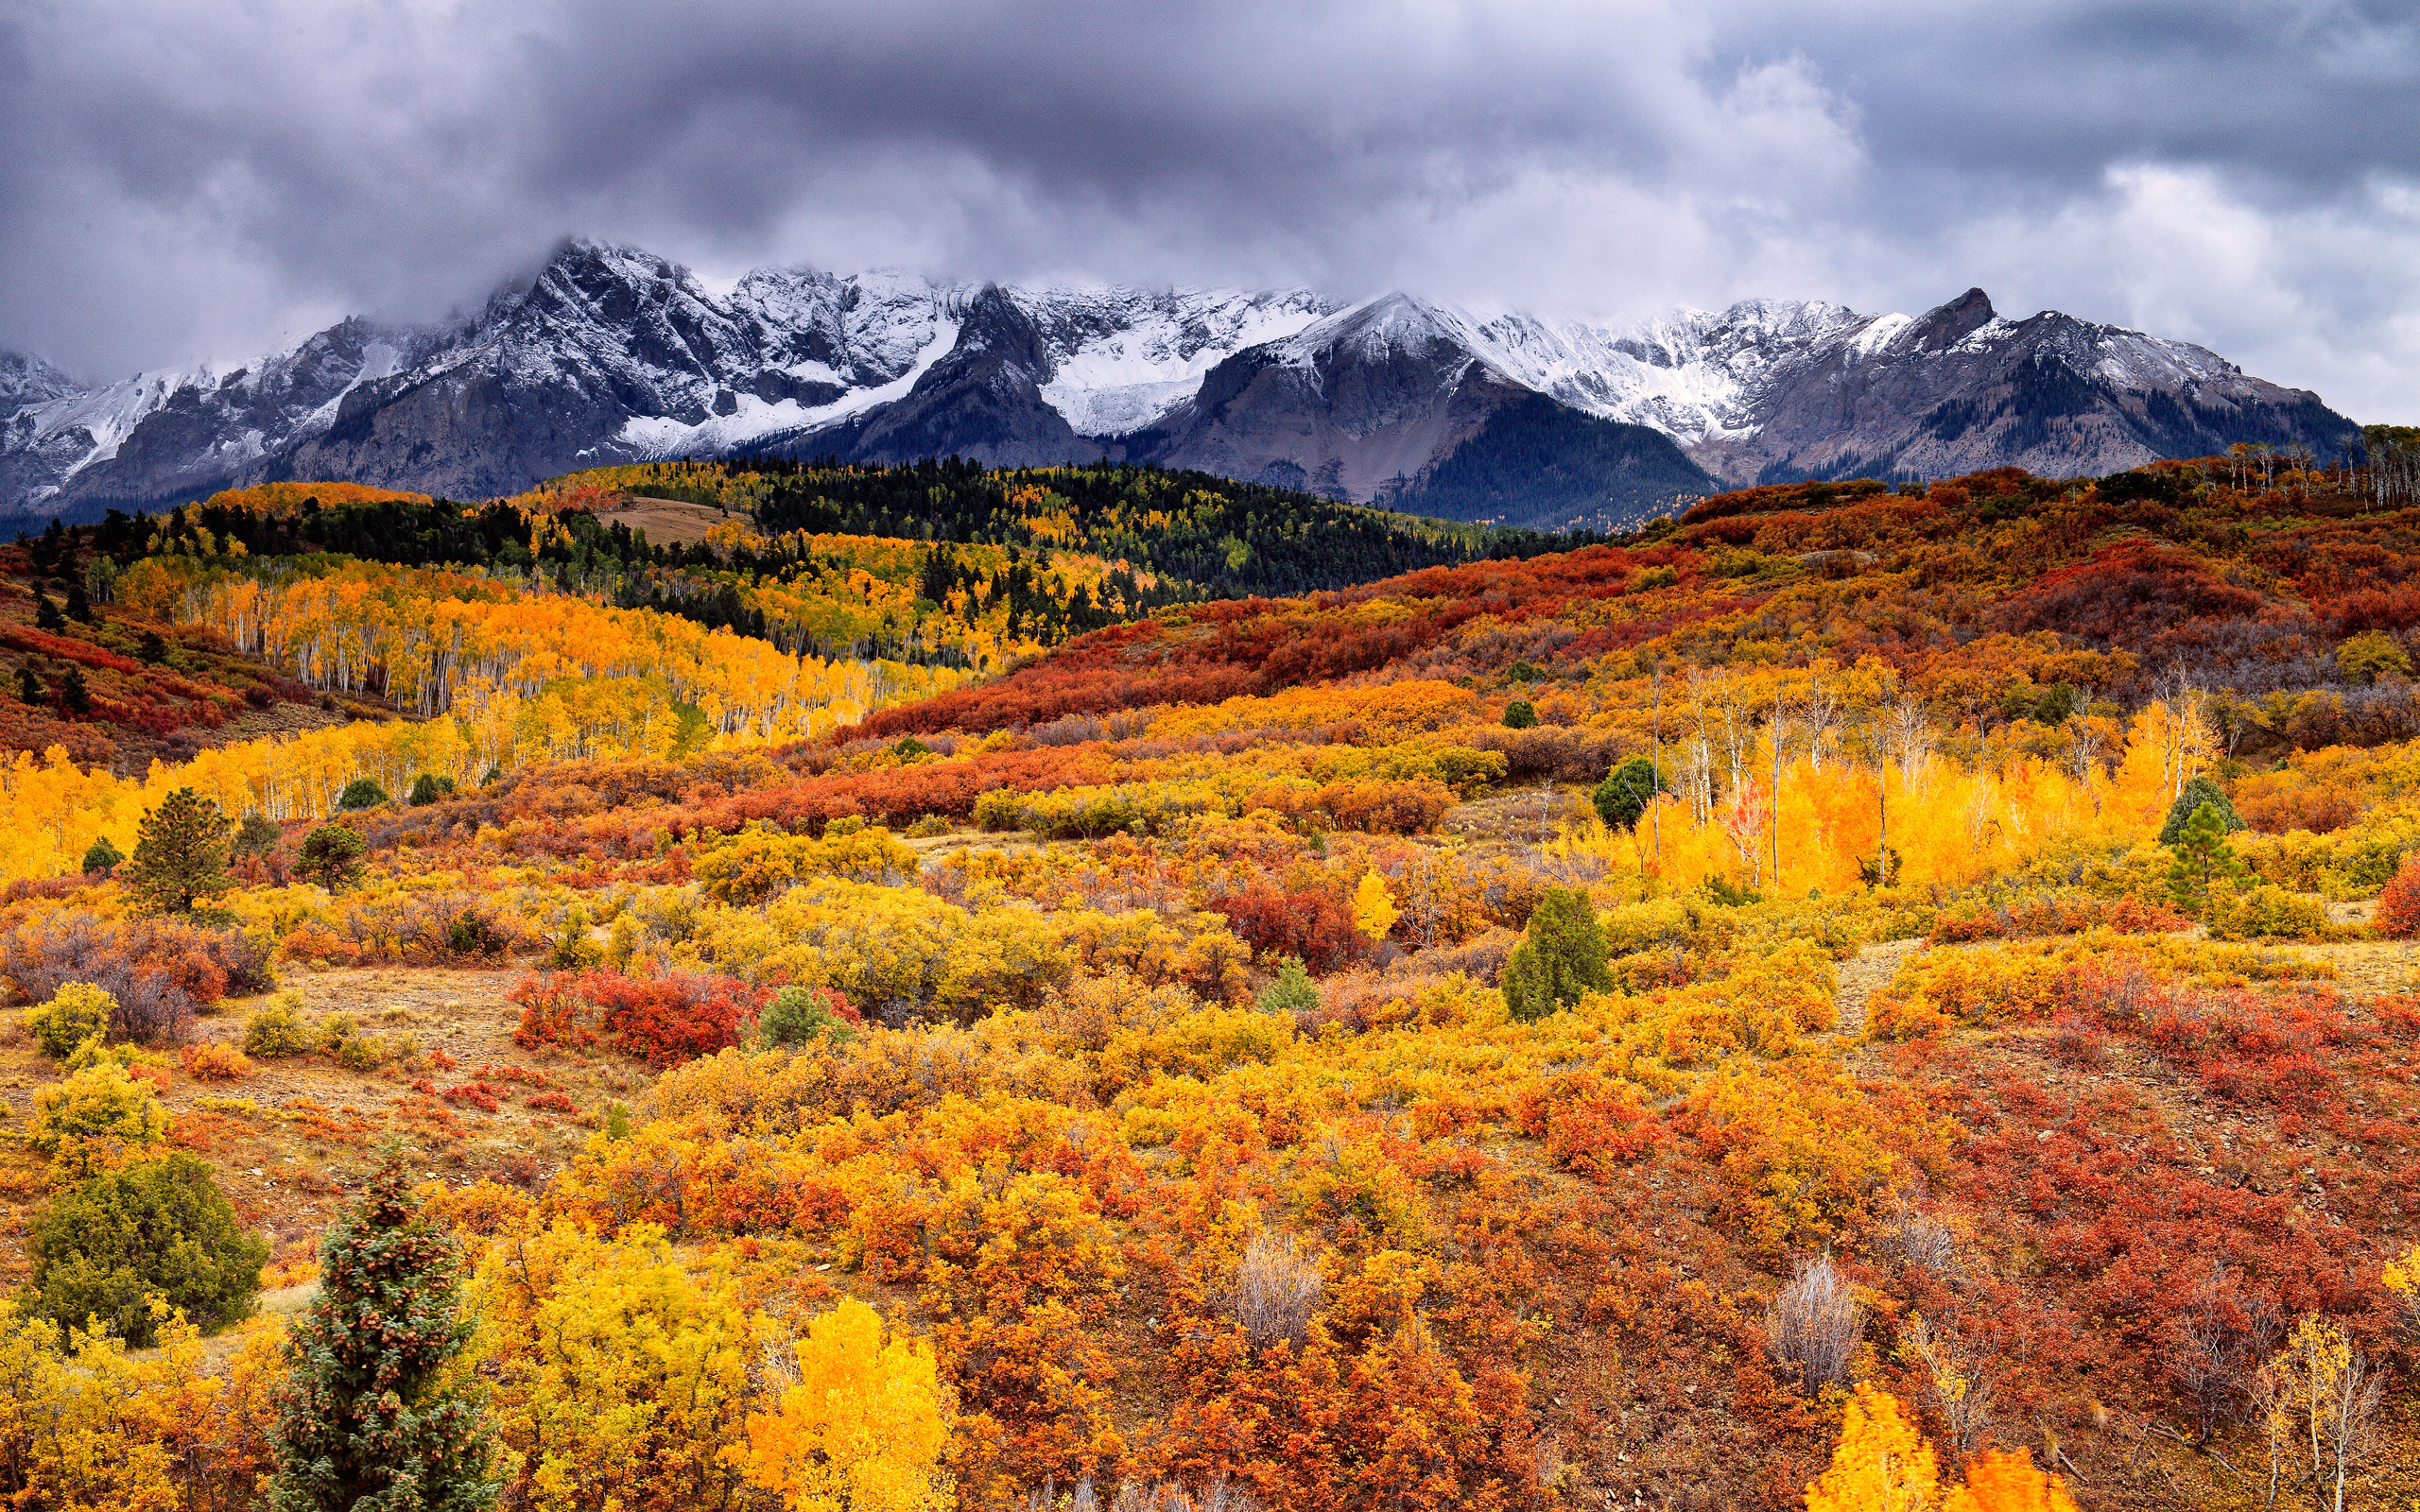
x=1208, y=537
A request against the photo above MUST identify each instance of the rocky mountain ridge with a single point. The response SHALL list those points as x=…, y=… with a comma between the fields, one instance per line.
x=611, y=353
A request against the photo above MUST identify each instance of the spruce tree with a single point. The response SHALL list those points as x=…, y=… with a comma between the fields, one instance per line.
x=80, y=607
x=29, y=688
x=47, y=615
x=2190, y=800
x=179, y=855
x=1562, y=956
x=368, y=1423
x=74, y=694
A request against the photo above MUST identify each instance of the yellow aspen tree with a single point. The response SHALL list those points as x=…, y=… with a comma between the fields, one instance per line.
x=1373, y=906
x=1881, y=1464
x=861, y=1429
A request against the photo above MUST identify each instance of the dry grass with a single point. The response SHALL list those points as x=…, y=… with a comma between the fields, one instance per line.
x=1277, y=1289
x=291, y=1141
x=668, y=522
x=1815, y=1324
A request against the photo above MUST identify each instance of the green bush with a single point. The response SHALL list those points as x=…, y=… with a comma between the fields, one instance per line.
x=1561, y=958
x=276, y=1031
x=76, y=1012
x=258, y=835
x=101, y=856
x=1520, y=715
x=156, y=1229
x=331, y=856
x=1626, y=791
x=362, y=793
x=800, y=1016
x=429, y=787
x=1292, y=992
x=2265, y=912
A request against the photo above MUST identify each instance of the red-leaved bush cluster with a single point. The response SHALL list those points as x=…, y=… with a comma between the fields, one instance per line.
x=666, y=1018
x=2055, y=916
x=1311, y=923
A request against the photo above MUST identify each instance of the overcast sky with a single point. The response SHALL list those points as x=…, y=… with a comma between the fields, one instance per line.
x=184, y=181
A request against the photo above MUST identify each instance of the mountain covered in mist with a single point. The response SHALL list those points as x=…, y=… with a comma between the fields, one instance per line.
x=611, y=353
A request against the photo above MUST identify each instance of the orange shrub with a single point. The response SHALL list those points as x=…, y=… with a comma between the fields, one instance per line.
x=212, y=1062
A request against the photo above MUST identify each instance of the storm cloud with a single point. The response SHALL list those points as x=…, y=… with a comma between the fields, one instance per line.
x=183, y=182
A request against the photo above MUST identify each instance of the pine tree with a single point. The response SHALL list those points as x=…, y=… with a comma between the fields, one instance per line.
x=368, y=1423
x=179, y=855
x=2204, y=858
x=1562, y=956
x=101, y=855
x=80, y=608
x=153, y=650
x=331, y=856
x=47, y=615
x=29, y=688
x=74, y=694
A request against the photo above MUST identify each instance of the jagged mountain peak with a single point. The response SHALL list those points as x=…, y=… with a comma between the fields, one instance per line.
x=609, y=352
x=1945, y=325
x=27, y=379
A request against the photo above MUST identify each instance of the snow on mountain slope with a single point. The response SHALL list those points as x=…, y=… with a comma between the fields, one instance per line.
x=612, y=353
x=1123, y=358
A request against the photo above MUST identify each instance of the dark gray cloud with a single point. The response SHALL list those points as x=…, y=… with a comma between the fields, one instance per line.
x=181, y=181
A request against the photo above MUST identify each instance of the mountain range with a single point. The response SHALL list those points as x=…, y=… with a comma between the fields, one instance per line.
x=611, y=353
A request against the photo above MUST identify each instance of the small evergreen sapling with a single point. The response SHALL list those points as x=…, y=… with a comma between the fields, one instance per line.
x=368, y=1419
x=1292, y=993
x=804, y=1015
x=1562, y=956
x=74, y=694
x=2203, y=859
x=101, y=856
x=362, y=793
x=1520, y=715
x=258, y=835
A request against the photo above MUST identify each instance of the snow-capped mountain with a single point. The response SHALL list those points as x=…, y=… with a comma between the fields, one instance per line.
x=610, y=354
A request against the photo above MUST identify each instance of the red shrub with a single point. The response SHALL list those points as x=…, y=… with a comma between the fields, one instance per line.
x=550, y=1102
x=667, y=1019
x=2398, y=913
x=1311, y=923
x=476, y=1094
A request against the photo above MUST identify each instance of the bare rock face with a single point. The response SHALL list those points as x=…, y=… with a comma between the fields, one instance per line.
x=1962, y=389
x=612, y=354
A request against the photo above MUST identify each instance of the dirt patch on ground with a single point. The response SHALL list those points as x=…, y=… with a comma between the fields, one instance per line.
x=1528, y=816
x=294, y=1139
x=668, y=522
